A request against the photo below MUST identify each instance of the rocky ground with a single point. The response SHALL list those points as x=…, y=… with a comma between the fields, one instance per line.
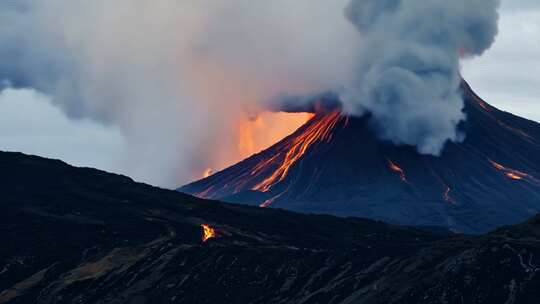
x=73, y=235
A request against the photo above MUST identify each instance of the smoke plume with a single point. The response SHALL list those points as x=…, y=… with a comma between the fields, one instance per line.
x=407, y=74
x=176, y=76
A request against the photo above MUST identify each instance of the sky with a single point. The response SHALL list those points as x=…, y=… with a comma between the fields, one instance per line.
x=507, y=76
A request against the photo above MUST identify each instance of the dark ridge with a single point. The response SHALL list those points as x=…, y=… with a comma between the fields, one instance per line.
x=76, y=235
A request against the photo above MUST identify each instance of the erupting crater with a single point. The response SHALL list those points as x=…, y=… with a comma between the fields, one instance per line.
x=336, y=164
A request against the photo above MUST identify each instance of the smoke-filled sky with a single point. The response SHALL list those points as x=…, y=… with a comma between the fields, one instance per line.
x=152, y=89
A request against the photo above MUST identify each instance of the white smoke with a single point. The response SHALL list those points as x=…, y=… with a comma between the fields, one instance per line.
x=175, y=76
x=407, y=73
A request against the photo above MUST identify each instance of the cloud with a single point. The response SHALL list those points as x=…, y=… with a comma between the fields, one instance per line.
x=173, y=76
x=408, y=75
x=508, y=75
x=519, y=5
x=29, y=123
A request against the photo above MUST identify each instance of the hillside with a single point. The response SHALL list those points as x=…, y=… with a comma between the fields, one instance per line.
x=76, y=235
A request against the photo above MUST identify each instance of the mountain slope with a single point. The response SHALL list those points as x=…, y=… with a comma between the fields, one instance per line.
x=336, y=165
x=73, y=235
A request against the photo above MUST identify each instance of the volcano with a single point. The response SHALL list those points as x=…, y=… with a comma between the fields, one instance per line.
x=335, y=164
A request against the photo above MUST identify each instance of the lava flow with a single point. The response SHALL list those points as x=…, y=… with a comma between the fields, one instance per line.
x=398, y=170
x=489, y=111
x=320, y=131
x=510, y=173
x=208, y=232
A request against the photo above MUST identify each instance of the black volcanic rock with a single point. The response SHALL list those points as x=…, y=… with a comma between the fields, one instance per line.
x=73, y=235
x=490, y=179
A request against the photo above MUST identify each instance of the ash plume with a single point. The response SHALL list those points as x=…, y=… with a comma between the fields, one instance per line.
x=408, y=66
x=176, y=76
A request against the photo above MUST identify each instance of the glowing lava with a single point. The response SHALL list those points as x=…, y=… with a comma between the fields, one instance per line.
x=208, y=232
x=398, y=170
x=274, y=168
x=510, y=173
x=207, y=172
x=320, y=131
x=262, y=131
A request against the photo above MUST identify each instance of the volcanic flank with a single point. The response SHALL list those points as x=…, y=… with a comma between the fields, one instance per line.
x=335, y=164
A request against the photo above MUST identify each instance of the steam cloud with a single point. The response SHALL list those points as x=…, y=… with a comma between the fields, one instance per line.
x=175, y=76
x=408, y=66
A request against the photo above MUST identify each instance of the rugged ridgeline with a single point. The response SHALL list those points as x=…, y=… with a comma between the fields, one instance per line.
x=336, y=165
x=72, y=235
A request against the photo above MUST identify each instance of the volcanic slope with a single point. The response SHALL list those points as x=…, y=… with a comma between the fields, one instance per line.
x=73, y=235
x=336, y=165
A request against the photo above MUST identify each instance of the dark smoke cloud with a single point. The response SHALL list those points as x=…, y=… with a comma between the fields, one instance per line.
x=408, y=68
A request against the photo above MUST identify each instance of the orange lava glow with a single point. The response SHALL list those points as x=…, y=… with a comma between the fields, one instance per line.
x=320, y=131
x=207, y=172
x=275, y=166
x=510, y=173
x=208, y=232
x=264, y=130
x=398, y=170
x=253, y=134
x=513, y=175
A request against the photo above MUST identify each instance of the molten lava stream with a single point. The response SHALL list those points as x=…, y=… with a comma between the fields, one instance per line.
x=510, y=173
x=319, y=131
x=254, y=134
x=395, y=168
x=208, y=232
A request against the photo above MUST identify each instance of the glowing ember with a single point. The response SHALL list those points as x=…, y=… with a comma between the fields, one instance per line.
x=510, y=173
x=208, y=232
x=207, y=172
x=317, y=132
x=397, y=169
